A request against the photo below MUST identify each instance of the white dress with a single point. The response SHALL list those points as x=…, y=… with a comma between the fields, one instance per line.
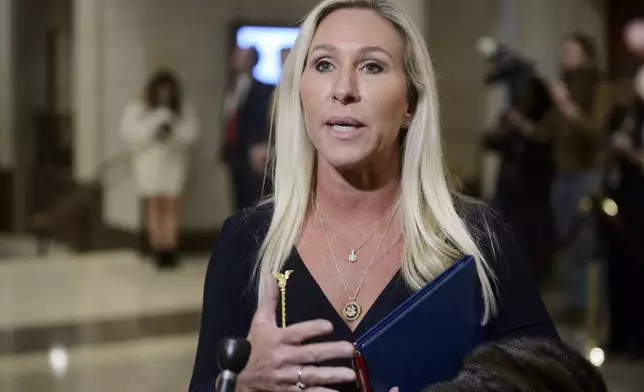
x=159, y=166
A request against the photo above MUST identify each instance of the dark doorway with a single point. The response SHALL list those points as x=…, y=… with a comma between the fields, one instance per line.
x=43, y=143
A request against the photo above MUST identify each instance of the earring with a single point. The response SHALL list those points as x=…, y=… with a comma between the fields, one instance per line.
x=407, y=124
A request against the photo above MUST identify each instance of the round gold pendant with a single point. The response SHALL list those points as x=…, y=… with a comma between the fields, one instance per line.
x=352, y=311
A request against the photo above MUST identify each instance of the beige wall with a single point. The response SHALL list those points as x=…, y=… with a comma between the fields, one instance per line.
x=453, y=28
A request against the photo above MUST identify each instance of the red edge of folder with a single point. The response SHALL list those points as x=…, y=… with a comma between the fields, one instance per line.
x=360, y=367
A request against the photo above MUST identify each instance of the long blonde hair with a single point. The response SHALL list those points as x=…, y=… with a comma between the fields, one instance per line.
x=434, y=233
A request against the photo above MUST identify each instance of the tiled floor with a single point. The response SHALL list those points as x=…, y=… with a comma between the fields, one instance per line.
x=102, y=322
x=154, y=365
x=112, y=322
x=83, y=288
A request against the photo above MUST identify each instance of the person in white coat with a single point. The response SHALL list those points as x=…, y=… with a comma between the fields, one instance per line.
x=160, y=129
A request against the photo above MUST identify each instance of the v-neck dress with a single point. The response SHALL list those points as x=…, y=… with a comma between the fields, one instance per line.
x=230, y=296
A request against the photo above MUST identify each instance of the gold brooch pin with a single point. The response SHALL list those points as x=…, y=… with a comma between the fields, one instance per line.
x=282, y=279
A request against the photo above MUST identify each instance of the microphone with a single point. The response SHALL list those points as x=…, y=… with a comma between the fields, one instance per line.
x=232, y=357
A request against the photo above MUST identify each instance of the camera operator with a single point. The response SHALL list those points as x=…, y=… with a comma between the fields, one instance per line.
x=521, y=138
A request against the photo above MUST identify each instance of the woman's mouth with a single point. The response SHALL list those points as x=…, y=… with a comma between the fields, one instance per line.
x=343, y=128
x=344, y=124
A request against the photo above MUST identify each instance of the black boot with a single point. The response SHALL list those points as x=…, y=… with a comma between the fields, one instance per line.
x=169, y=259
x=160, y=259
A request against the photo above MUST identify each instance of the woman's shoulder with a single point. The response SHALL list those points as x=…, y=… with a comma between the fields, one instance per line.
x=238, y=243
x=493, y=236
x=481, y=220
x=248, y=227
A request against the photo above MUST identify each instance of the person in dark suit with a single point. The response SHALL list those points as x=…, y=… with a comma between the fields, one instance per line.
x=246, y=113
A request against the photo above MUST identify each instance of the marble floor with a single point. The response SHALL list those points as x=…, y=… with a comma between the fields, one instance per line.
x=112, y=322
x=145, y=365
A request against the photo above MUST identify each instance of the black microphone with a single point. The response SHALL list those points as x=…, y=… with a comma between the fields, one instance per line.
x=232, y=356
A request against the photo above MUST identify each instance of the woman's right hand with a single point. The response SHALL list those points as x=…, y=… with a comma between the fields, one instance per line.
x=278, y=355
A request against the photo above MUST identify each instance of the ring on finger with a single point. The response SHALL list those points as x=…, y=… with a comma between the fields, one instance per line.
x=300, y=384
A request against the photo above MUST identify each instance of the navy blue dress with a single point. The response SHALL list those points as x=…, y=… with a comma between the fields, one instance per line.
x=230, y=297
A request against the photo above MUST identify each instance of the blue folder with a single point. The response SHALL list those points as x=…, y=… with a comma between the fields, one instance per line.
x=425, y=339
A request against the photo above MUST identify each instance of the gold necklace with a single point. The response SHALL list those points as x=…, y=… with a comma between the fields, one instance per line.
x=352, y=310
x=353, y=256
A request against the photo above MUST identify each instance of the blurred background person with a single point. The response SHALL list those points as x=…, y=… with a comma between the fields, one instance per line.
x=522, y=140
x=246, y=112
x=624, y=183
x=160, y=128
x=578, y=120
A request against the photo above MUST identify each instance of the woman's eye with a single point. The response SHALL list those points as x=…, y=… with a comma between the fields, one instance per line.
x=323, y=66
x=373, y=68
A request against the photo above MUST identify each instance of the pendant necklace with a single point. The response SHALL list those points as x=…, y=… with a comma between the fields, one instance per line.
x=353, y=256
x=353, y=310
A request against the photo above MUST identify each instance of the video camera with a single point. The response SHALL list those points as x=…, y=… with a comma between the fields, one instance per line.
x=526, y=90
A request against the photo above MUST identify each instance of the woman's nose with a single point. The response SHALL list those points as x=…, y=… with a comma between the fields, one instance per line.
x=346, y=88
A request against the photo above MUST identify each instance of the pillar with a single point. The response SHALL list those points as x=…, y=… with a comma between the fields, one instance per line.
x=7, y=110
x=86, y=89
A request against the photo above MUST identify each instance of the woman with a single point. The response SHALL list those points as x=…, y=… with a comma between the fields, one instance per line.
x=361, y=213
x=160, y=128
x=524, y=365
x=577, y=127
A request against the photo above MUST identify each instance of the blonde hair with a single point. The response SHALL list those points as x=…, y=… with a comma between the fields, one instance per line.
x=434, y=233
